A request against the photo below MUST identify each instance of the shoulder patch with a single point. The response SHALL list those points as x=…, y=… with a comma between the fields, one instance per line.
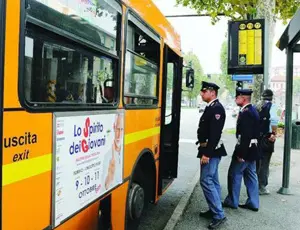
x=217, y=116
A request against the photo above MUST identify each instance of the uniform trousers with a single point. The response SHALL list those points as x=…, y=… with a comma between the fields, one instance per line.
x=237, y=171
x=209, y=181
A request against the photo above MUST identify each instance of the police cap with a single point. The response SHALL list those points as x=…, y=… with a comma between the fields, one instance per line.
x=209, y=86
x=243, y=92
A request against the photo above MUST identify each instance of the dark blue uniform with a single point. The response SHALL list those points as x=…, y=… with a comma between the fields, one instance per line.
x=247, y=133
x=209, y=133
x=210, y=130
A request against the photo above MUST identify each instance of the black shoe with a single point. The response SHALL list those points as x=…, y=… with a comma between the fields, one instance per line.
x=216, y=223
x=245, y=206
x=206, y=214
x=224, y=205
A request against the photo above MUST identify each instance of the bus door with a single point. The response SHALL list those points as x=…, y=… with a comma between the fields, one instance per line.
x=2, y=28
x=170, y=118
x=2, y=36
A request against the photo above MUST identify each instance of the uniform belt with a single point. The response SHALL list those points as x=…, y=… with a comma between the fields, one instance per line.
x=252, y=141
x=219, y=145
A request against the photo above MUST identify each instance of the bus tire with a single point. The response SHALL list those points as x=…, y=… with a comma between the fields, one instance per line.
x=136, y=200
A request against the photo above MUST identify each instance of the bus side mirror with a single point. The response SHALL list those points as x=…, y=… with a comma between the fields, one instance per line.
x=189, y=81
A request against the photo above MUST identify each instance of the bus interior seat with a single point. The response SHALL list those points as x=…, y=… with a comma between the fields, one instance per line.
x=109, y=90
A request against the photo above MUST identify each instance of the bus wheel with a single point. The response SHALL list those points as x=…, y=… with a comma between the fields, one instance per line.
x=136, y=202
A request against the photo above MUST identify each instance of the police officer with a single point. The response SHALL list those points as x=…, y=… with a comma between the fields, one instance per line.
x=268, y=129
x=243, y=163
x=211, y=149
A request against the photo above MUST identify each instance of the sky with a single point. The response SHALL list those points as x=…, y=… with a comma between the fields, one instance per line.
x=205, y=40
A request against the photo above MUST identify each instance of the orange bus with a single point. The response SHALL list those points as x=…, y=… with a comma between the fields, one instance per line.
x=90, y=109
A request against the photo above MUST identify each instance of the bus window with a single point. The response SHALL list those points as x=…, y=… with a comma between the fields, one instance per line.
x=72, y=61
x=64, y=74
x=141, y=64
x=169, y=93
x=92, y=21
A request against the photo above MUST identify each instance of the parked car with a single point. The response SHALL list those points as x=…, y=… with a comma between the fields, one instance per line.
x=201, y=107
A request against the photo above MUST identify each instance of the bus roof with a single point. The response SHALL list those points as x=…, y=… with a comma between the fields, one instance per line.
x=147, y=10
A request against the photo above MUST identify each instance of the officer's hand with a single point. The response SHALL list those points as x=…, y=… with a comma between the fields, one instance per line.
x=204, y=160
x=272, y=138
x=241, y=160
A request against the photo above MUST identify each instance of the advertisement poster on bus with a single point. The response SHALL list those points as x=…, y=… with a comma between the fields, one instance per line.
x=87, y=160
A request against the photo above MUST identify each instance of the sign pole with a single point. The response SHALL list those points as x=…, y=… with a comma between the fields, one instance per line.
x=266, y=54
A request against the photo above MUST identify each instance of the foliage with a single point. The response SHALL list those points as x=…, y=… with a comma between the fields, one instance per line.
x=280, y=125
x=241, y=9
x=237, y=9
x=257, y=88
x=230, y=131
x=279, y=111
x=225, y=78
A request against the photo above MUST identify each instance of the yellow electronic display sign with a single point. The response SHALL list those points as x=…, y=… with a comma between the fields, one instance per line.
x=250, y=43
x=246, y=47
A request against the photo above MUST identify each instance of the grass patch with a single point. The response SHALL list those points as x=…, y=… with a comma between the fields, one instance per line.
x=230, y=131
x=276, y=164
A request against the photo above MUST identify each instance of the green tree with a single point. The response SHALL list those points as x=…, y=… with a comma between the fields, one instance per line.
x=237, y=9
x=191, y=94
x=217, y=79
x=225, y=78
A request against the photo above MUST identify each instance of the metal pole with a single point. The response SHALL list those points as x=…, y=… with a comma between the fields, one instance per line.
x=288, y=121
x=266, y=53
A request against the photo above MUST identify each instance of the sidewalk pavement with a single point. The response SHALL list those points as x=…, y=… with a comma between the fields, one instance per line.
x=276, y=211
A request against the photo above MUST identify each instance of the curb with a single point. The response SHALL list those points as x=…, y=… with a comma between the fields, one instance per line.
x=183, y=203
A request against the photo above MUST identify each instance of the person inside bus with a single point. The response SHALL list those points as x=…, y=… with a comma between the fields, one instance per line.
x=51, y=91
x=210, y=151
x=61, y=93
x=108, y=90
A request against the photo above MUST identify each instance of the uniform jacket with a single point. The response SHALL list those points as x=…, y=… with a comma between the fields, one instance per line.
x=210, y=130
x=247, y=129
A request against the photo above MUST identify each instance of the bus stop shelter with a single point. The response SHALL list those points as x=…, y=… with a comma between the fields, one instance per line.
x=289, y=41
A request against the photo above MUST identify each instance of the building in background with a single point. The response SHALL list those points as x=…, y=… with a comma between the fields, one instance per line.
x=278, y=86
